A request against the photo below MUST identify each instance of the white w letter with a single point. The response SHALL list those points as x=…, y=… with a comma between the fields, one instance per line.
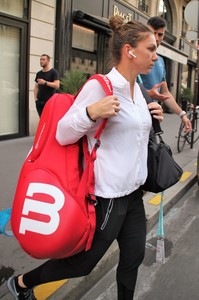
x=37, y=206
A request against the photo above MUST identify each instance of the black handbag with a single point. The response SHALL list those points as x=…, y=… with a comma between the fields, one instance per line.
x=163, y=171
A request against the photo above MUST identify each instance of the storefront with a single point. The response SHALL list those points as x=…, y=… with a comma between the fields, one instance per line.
x=75, y=34
x=90, y=33
x=13, y=62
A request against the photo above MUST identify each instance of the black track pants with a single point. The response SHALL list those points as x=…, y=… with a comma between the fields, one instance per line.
x=122, y=219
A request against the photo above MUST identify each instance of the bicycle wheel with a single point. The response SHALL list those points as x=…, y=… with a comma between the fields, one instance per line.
x=181, y=138
x=195, y=134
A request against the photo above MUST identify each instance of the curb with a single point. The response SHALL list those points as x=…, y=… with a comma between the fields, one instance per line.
x=76, y=288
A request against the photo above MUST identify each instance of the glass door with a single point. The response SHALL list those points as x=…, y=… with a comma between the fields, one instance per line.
x=9, y=79
x=13, y=78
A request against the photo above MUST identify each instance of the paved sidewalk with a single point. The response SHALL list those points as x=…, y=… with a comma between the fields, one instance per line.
x=12, y=155
x=76, y=288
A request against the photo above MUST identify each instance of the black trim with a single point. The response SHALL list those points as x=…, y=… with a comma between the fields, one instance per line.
x=169, y=38
x=63, y=36
x=91, y=21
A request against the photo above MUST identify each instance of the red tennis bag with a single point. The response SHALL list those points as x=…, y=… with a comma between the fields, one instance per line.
x=53, y=213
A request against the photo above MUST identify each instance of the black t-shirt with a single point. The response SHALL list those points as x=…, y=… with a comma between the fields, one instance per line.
x=44, y=91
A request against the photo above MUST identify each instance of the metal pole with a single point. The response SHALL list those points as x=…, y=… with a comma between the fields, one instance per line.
x=195, y=90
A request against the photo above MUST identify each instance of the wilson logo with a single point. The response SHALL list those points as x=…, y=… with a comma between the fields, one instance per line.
x=36, y=206
x=109, y=86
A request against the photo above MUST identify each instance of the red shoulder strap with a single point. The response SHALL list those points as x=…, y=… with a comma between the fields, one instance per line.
x=107, y=86
x=108, y=89
x=89, y=181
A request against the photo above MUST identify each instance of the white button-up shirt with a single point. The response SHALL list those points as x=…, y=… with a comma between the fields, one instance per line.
x=121, y=163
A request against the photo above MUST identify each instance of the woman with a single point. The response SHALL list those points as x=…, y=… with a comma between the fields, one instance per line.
x=121, y=164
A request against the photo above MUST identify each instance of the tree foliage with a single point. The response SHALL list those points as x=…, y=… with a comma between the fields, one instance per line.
x=72, y=81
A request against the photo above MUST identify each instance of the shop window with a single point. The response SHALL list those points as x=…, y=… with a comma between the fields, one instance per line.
x=15, y=8
x=83, y=38
x=9, y=79
x=143, y=6
x=164, y=11
x=184, y=76
x=84, y=44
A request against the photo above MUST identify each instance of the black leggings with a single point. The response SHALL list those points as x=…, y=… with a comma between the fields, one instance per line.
x=122, y=219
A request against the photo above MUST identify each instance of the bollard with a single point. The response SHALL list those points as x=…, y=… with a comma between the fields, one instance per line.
x=4, y=219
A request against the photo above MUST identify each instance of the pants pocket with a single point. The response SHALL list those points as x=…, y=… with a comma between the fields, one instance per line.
x=110, y=216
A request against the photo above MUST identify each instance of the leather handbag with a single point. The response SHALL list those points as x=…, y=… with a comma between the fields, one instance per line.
x=163, y=171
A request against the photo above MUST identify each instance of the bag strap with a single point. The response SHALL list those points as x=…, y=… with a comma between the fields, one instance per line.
x=155, y=123
x=89, y=180
x=108, y=89
x=107, y=86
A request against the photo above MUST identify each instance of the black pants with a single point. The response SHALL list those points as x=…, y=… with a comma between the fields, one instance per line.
x=40, y=106
x=122, y=219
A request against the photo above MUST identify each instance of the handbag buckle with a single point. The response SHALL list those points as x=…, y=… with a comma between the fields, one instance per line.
x=92, y=199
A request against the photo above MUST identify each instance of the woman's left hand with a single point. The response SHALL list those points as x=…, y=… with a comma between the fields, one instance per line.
x=156, y=110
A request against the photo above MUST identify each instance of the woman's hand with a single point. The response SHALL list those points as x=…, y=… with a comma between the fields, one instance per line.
x=105, y=108
x=156, y=110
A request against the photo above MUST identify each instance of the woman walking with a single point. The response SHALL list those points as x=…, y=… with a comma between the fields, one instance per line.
x=121, y=164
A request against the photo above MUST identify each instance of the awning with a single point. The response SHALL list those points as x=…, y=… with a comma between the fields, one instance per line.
x=172, y=53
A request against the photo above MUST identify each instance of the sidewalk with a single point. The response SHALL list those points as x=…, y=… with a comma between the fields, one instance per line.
x=12, y=154
x=76, y=288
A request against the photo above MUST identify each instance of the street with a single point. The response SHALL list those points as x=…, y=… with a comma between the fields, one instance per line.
x=15, y=260
x=178, y=277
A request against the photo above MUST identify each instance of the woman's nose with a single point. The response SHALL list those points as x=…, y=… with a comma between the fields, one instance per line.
x=155, y=57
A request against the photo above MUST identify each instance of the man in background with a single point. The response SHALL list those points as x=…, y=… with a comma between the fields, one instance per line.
x=46, y=83
x=155, y=82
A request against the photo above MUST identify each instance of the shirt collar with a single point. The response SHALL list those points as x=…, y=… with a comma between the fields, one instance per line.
x=119, y=82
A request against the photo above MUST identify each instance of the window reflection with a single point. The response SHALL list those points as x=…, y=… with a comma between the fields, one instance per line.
x=83, y=38
x=9, y=79
x=164, y=11
x=15, y=8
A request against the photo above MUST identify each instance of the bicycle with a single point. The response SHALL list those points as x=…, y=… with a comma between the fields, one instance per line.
x=183, y=137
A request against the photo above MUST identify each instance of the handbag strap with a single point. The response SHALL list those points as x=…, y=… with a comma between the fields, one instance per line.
x=155, y=123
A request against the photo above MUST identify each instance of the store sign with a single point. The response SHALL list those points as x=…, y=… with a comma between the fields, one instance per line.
x=116, y=12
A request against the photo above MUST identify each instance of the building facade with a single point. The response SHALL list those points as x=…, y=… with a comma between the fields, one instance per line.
x=75, y=34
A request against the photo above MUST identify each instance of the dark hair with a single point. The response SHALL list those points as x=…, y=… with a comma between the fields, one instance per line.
x=48, y=57
x=157, y=22
x=125, y=33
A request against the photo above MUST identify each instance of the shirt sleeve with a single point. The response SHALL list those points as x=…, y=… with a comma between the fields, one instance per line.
x=36, y=77
x=75, y=123
x=55, y=74
x=163, y=69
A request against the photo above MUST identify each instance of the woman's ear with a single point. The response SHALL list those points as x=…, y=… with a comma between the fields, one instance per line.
x=129, y=51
